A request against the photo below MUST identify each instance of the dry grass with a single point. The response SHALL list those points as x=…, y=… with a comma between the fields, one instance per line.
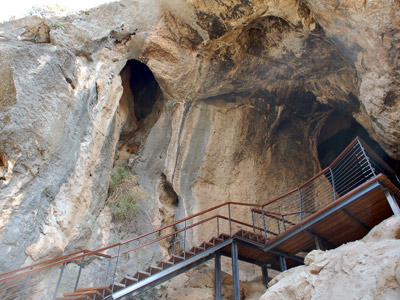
x=124, y=195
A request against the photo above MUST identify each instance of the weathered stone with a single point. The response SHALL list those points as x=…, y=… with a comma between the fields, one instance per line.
x=345, y=272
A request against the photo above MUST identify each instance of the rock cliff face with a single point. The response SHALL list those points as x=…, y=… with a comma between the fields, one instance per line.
x=205, y=101
x=365, y=269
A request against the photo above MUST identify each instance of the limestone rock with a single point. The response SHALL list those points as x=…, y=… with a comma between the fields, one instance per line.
x=365, y=269
x=243, y=90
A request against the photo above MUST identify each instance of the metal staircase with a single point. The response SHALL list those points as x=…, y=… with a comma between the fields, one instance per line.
x=339, y=204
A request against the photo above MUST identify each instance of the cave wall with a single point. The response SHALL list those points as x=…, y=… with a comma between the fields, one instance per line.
x=244, y=90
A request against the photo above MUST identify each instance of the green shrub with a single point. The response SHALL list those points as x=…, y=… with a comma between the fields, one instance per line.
x=121, y=174
x=124, y=195
x=125, y=207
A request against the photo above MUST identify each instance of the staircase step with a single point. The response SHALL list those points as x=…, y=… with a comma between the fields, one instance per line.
x=224, y=236
x=240, y=232
x=141, y=275
x=81, y=297
x=206, y=245
x=189, y=254
x=186, y=255
x=165, y=264
x=175, y=259
x=215, y=240
x=153, y=270
x=93, y=294
x=117, y=286
x=103, y=290
x=97, y=288
x=196, y=249
x=129, y=280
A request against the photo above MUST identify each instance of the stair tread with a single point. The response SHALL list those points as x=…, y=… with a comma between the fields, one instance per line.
x=87, y=293
x=144, y=272
x=128, y=278
x=117, y=286
x=82, y=297
x=98, y=288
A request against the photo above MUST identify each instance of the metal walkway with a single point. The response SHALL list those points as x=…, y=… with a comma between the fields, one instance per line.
x=339, y=204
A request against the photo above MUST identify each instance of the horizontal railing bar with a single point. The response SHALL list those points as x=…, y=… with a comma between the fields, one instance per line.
x=175, y=223
x=344, y=152
x=43, y=262
x=168, y=235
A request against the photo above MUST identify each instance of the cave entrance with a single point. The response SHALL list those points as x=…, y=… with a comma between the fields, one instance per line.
x=137, y=108
x=338, y=131
x=144, y=88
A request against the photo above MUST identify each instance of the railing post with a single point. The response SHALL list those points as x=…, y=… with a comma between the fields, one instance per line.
x=265, y=225
x=366, y=157
x=333, y=185
x=279, y=226
x=284, y=223
x=116, y=267
x=217, y=225
x=108, y=271
x=25, y=287
x=59, y=280
x=184, y=242
x=301, y=205
x=174, y=244
x=230, y=221
x=254, y=221
x=79, y=274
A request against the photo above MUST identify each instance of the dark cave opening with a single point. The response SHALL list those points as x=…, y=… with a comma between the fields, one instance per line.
x=338, y=131
x=139, y=106
x=144, y=88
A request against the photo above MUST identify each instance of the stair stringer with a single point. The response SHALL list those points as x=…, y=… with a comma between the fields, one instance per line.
x=169, y=273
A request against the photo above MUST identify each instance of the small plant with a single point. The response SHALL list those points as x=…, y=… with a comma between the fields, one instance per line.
x=57, y=25
x=163, y=287
x=116, y=178
x=124, y=195
x=125, y=208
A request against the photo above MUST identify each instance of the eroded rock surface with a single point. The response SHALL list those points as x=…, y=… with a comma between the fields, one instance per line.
x=365, y=269
x=241, y=92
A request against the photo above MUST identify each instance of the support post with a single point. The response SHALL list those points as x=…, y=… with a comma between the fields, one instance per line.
x=318, y=243
x=392, y=202
x=235, y=271
x=217, y=225
x=218, y=282
x=254, y=221
x=282, y=262
x=79, y=274
x=116, y=268
x=184, y=242
x=25, y=287
x=264, y=271
x=230, y=220
x=59, y=280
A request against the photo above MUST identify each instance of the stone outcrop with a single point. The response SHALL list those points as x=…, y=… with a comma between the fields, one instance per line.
x=364, y=269
x=240, y=93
